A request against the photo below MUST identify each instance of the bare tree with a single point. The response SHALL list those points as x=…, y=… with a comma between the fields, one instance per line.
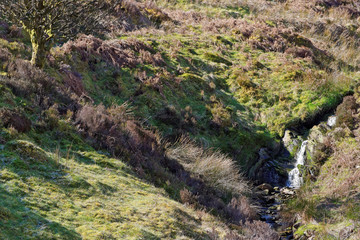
x=51, y=21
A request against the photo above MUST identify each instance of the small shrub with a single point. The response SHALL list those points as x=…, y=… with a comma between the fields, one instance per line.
x=118, y=53
x=15, y=32
x=11, y=118
x=301, y=52
x=5, y=214
x=26, y=80
x=51, y=116
x=345, y=112
x=221, y=116
x=5, y=57
x=73, y=80
x=155, y=14
x=323, y=151
x=258, y=230
x=240, y=210
x=187, y=197
x=115, y=130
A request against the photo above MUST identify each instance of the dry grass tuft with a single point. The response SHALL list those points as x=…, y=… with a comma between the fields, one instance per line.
x=215, y=168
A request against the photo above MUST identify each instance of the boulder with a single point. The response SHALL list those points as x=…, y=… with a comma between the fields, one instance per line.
x=265, y=186
x=291, y=142
x=263, y=154
x=317, y=135
x=297, y=225
x=287, y=191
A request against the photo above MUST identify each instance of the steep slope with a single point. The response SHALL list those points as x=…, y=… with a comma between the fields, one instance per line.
x=99, y=126
x=83, y=194
x=55, y=185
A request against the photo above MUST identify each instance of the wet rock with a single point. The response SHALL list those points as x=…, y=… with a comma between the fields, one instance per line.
x=265, y=192
x=275, y=148
x=291, y=142
x=287, y=191
x=288, y=231
x=270, y=200
x=266, y=169
x=316, y=136
x=297, y=225
x=263, y=154
x=265, y=186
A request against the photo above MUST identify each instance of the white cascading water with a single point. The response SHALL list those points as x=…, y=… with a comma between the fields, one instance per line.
x=295, y=179
x=331, y=121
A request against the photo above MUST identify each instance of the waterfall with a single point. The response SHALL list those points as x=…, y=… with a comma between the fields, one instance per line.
x=331, y=121
x=295, y=179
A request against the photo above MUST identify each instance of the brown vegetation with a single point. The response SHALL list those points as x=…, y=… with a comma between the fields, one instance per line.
x=345, y=112
x=344, y=171
x=119, y=53
x=114, y=130
x=10, y=118
x=258, y=230
x=129, y=15
x=73, y=80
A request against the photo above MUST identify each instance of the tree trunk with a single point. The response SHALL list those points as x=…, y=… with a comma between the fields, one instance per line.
x=38, y=54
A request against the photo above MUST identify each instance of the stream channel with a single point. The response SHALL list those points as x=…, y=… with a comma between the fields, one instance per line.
x=274, y=194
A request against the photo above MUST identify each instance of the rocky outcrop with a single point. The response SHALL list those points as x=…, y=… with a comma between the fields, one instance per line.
x=268, y=168
x=291, y=142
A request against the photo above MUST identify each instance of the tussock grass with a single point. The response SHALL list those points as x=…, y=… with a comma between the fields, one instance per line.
x=214, y=167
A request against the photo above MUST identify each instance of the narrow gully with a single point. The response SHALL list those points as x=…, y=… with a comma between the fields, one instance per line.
x=272, y=198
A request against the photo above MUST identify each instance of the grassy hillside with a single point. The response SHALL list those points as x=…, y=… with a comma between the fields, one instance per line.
x=140, y=131
x=75, y=192
x=72, y=170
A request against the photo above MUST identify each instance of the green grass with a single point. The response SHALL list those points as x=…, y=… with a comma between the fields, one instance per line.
x=224, y=92
x=57, y=189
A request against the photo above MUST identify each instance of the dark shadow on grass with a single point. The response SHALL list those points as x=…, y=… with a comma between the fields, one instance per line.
x=188, y=225
x=149, y=236
x=17, y=221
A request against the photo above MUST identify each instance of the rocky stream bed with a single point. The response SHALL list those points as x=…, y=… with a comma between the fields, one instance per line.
x=271, y=200
x=281, y=174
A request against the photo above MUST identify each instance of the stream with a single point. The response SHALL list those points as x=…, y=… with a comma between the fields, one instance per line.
x=272, y=198
x=295, y=179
